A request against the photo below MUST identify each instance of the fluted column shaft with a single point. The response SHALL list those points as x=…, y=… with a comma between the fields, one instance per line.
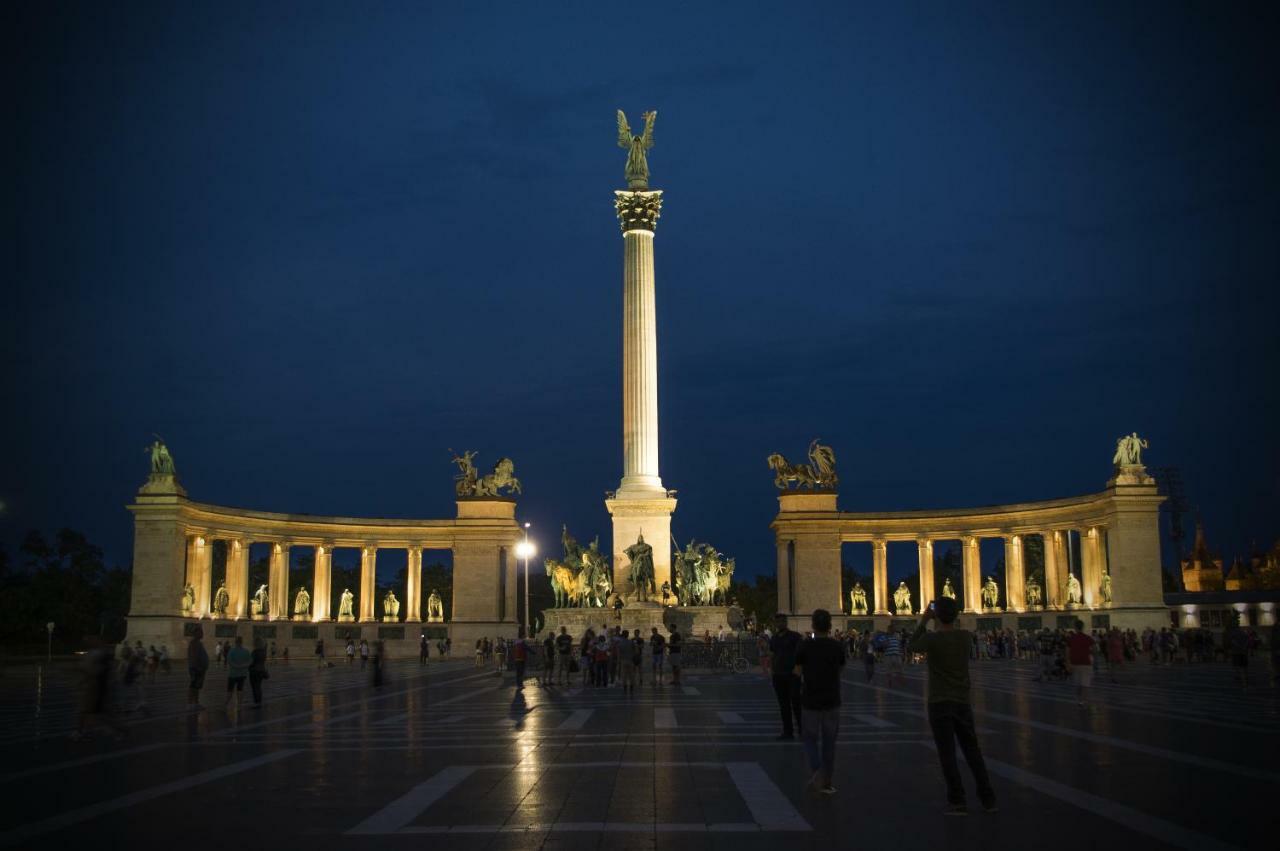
x=200, y=559
x=1090, y=572
x=639, y=365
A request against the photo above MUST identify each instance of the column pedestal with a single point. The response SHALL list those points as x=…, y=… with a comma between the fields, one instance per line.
x=633, y=517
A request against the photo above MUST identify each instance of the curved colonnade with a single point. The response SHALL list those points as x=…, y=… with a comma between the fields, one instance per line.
x=173, y=547
x=1118, y=531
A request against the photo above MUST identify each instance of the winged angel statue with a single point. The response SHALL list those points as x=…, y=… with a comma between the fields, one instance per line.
x=637, y=161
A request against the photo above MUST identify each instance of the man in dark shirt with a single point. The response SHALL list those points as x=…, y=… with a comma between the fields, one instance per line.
x=821, y=659
x=950, y=715
x=657, y=649
x=786, y=684
x=564, y=647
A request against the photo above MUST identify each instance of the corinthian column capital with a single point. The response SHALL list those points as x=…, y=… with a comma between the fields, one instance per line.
x=638, y=210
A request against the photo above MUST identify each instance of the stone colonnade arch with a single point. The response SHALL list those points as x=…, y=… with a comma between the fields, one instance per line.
x=173, y=547
x=1119, y=539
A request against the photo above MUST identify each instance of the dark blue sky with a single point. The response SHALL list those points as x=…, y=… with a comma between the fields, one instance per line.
x=314, y=245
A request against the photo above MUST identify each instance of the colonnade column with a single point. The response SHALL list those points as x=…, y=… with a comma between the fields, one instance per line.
x=1053, y=579
x=784, y=577
x=368, y=581
x=200, y=573
x=1015, y=586
x=972, y=575
x=924, y=549
x=238, y=578
x=322, y=587
x=278, y=582
x=413, y=588
x=1062, y=544
x=1090, y=575
x=880, y=576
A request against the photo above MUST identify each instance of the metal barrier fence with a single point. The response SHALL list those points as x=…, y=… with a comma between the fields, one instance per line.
x=734, y=654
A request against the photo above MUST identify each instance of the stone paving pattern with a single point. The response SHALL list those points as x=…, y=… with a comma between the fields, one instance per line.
x=452, y=756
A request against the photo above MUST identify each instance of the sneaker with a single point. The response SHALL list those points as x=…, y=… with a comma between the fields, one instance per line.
x=956, y=810
x=828, y=790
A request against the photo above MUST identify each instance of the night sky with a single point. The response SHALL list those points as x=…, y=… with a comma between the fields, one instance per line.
x=316, y=245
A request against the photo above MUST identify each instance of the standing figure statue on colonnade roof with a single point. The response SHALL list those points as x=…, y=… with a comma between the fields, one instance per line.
x=221, y=600
x=902, y=600
x=161, y=460
x=857, y=599
x=1129, y=451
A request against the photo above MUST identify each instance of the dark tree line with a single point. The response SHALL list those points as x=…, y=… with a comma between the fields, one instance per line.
x=63, y=580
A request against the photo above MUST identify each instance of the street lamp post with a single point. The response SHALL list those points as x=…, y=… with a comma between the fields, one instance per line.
x=525, y=550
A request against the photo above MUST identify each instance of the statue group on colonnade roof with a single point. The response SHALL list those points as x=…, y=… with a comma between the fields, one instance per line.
x=818, y=474
x=468, y=481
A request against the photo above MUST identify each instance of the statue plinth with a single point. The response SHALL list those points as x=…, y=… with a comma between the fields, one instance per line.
x=390, y=619
x=346, y=618
x=436, y=619
x=1130, y=474
x=162, y=483
x=302, y=618
x=807, y=500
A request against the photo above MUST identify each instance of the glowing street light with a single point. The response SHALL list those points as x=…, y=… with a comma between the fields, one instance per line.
x=526, y=550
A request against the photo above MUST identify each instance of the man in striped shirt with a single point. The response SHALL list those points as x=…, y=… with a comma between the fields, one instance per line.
x=892, y=656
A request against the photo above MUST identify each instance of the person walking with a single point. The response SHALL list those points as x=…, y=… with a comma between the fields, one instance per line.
x=258, y=671
x=868, y=655
x=564, y=656
x=197, y=667
x=1236, y=642
x=674, y=643
x=1080, y=661
x=820, y=660
x=892, y=645
x=378, y=659
x=95, y=692
x=364, y=654
x=946, y=651
x=424, y=649
x=657, y=653
x=548, y=659
x=351, y=652
x=238, y=661
x=600, y=655
x=520, y=655
x=782, y=669
x=627, y=662
x=319, y=652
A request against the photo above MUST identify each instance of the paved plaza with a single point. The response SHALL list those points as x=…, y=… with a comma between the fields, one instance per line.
x=1171, y=757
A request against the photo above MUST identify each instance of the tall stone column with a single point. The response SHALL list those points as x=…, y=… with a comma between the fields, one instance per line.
x=880, y=576
x=238, y=578
x=413, y=587
x=1062, y=553
x=368, y=581
x=278, y=582
x=786, y=549
x=322, y=588
x=924, y=552
x=641, y=505
x=972, y=575
x=1054, y=580
x=1015, y=586
x=1090, y=574
x=201, y=574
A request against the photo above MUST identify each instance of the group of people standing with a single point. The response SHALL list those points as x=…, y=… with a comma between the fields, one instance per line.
x=610, y=657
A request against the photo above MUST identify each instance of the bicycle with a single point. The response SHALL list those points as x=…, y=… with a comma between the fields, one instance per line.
x=736, y=663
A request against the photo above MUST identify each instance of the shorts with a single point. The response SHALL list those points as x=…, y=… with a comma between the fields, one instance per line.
x=893, y=664
x=1082, y=675
x=197, y=680
x=235, y=684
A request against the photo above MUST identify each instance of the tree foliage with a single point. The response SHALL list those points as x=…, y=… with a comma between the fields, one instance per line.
x=63, y=581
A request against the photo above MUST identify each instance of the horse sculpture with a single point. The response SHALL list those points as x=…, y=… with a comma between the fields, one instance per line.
x=564, y=584
x=819, y=473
